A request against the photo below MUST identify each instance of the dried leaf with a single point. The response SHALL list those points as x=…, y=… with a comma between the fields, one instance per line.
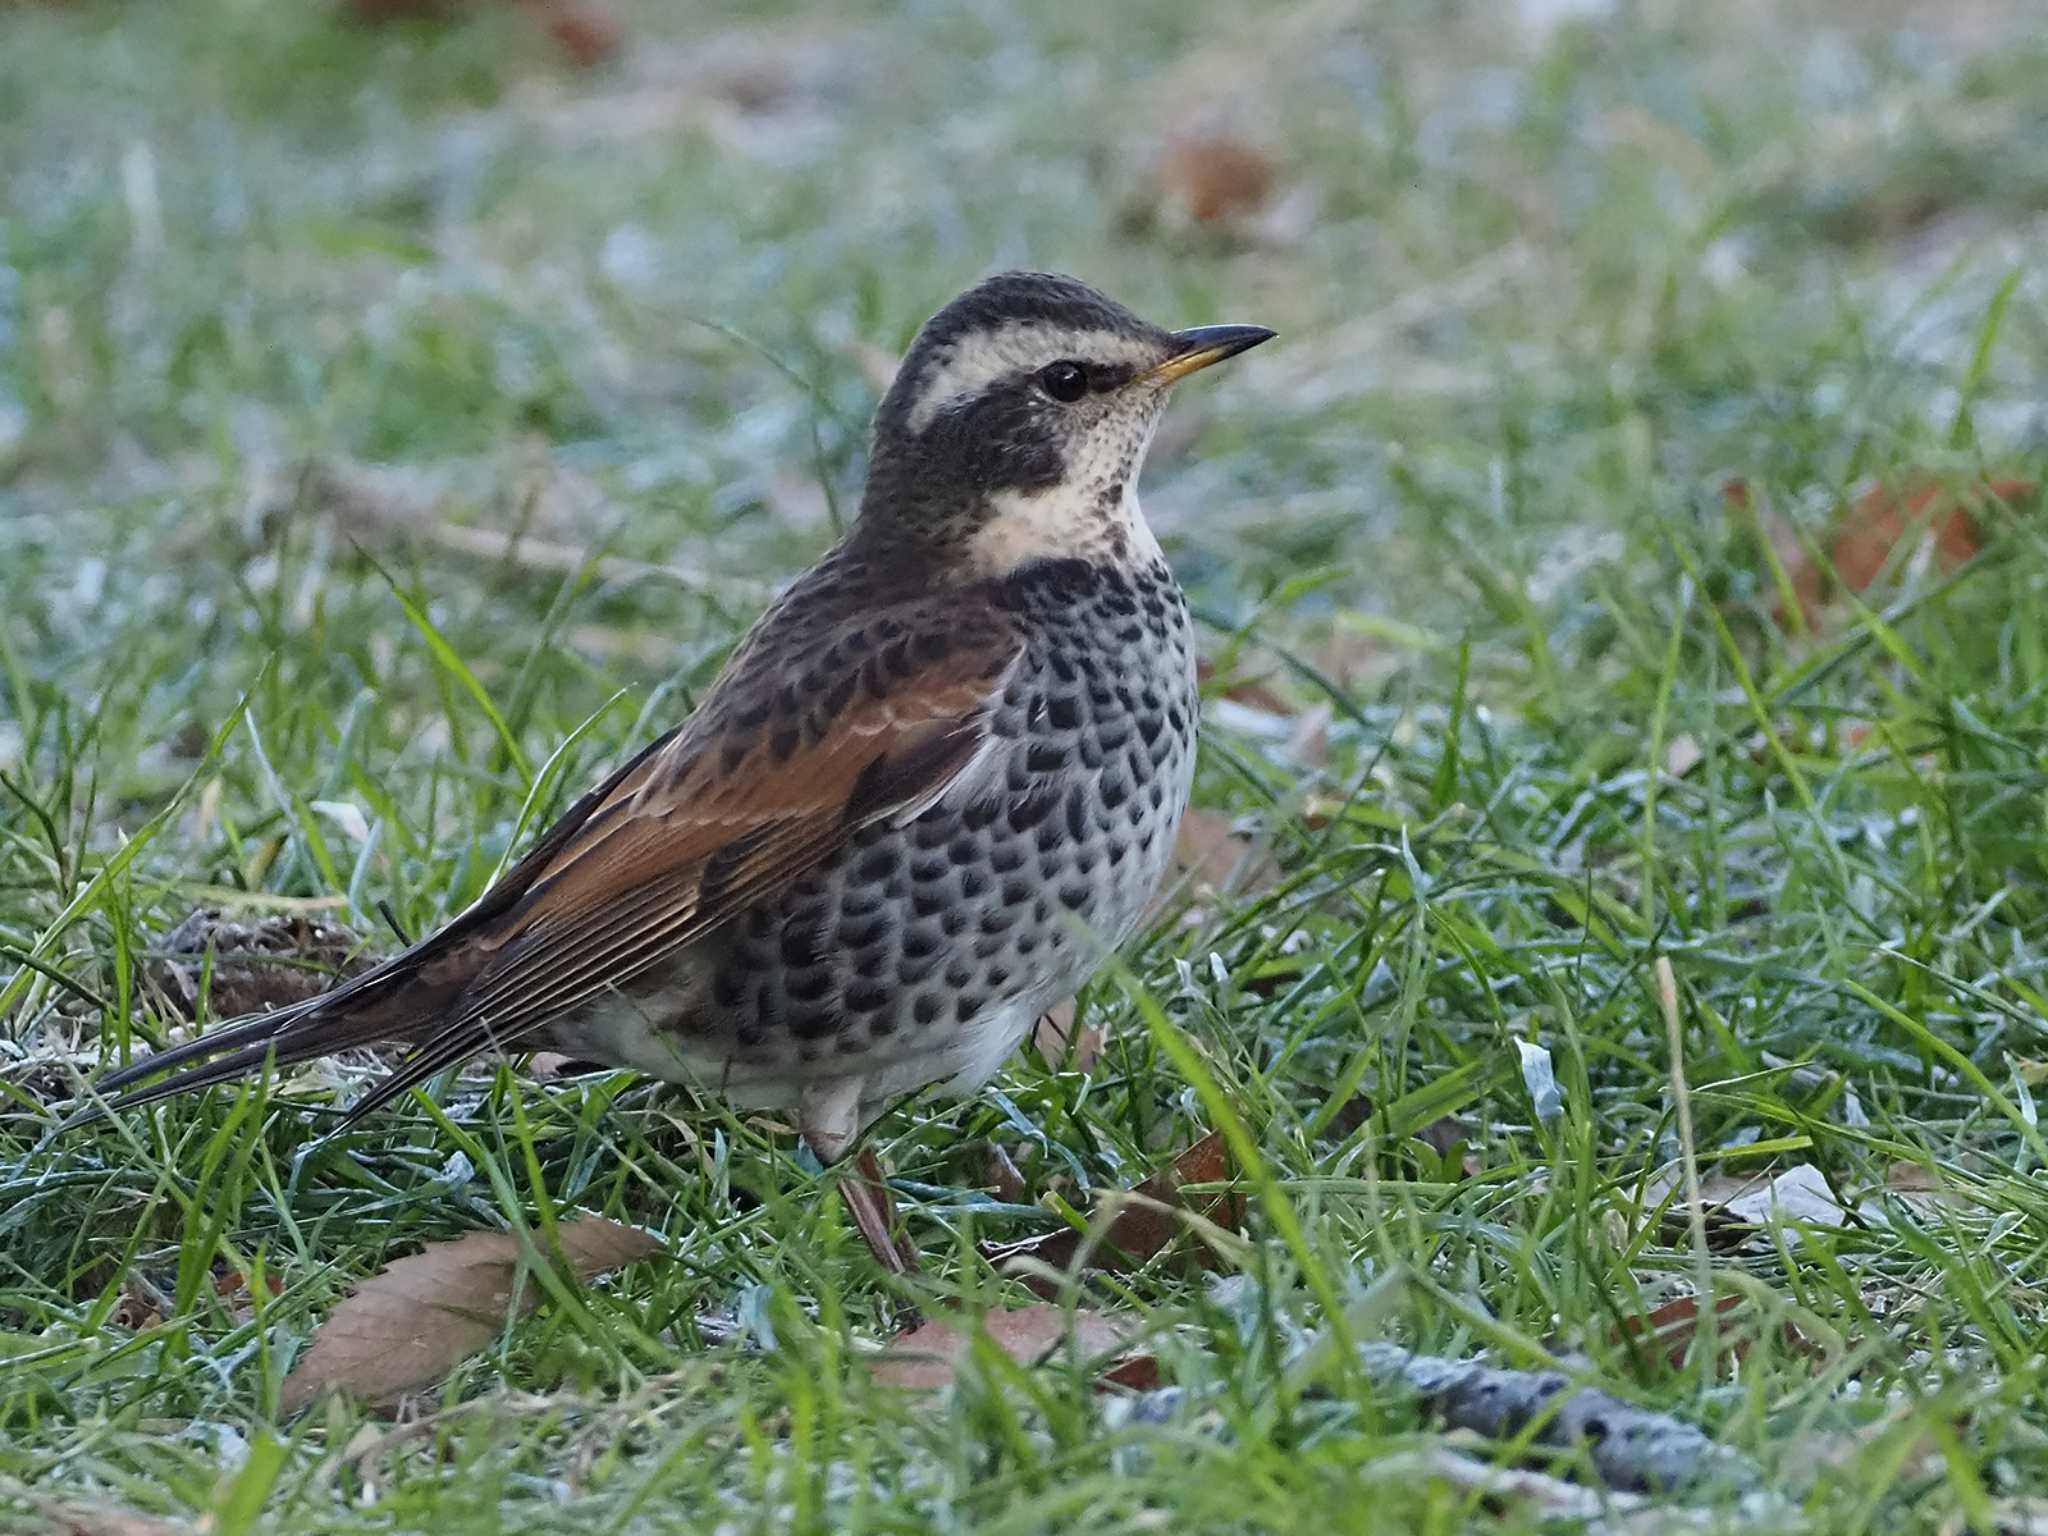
x=1912, y=1178
x=869, y=1203
x=1134, y=1372
x=1214, y=178
x=139, y=1308
x=275, y=960
x=1738, y=1203
x=1055, y=1037
x=1252, y=692
x=1211, y=853
x=1671, y=1329
x=407, y=1325
x=1798, y=1193
x=586, y=35
x=1005, y=1180
x=1923, y=1191
x=1674, y=1325
x=1880, y=519
x=1867, y=539
x=232, y=1287
x=933, y=1355
x=1152, y=1216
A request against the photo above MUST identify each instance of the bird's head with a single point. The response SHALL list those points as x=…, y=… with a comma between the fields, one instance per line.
x=1016, y=426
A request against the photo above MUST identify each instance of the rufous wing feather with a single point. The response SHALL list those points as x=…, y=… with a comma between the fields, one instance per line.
x=727, y=815
x=797, y=748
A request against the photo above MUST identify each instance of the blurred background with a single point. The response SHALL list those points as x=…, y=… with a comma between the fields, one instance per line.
x=451, y=383
x=630, y=275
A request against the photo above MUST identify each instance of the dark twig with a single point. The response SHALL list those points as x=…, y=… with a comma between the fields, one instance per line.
x=1630, y=1447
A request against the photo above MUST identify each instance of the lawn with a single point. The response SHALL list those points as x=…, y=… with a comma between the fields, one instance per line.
x=400, y=422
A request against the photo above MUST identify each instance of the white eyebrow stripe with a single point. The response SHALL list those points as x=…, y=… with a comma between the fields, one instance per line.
x=976, y=360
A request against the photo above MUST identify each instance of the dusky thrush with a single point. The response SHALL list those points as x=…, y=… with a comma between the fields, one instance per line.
x=937, y=782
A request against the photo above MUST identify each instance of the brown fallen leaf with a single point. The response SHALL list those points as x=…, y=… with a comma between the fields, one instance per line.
x=1151, y=1217
x=1005, y=1180
x=142, y=1304
x=1214, y=178
x=934, y=1355
x=1210, y=853
x=1925, y=1192
x=266, y=963
x=410, y=1323
x=1880, y=518
x=585, y=34
x=1671, y=1329
x=1867, y=538
x=1252, y=692
x=232, y=1286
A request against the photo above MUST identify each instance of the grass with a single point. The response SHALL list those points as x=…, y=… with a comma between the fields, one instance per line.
x=283, y=301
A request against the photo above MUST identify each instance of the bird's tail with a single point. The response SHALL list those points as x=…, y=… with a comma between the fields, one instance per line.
x=383, y=1004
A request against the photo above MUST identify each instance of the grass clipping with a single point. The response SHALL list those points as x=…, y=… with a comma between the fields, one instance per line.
x=409, y=1324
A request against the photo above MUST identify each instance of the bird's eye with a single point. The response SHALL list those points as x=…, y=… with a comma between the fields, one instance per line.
x=1064, y=381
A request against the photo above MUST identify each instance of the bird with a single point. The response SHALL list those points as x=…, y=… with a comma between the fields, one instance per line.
x=935, y=785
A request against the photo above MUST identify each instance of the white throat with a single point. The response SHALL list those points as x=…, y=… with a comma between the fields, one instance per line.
x=1092, y=512
x=1063, y=521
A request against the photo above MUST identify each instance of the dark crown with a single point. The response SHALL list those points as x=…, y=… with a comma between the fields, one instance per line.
x=1008, y=298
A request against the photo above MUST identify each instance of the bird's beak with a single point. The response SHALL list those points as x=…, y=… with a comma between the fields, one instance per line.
x=1199, y=346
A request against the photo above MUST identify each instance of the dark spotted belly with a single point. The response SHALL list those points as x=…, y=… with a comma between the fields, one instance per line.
x=920, y=953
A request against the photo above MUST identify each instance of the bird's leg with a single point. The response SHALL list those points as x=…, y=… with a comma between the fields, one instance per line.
x=829, y=1119
x=864, y=1189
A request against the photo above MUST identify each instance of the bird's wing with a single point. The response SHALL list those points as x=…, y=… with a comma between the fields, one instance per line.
x=778, y=769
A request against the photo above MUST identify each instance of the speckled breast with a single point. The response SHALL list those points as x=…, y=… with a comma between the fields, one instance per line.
x=897, y=958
